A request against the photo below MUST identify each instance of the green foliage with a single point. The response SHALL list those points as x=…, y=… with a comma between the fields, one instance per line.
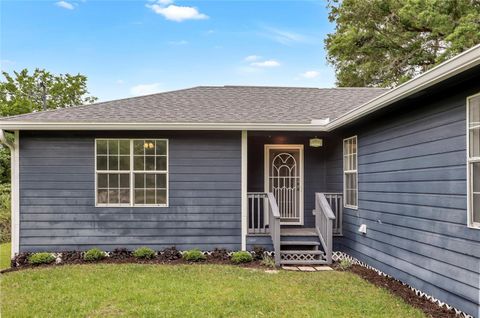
x=241, y=257
x=5, y=249
x=93, y=255
x=194, y=255
x=144, y=252
x=268, y=261
x=345, y=264
x=41, y=258
x=383, y=43
x=5, y=215
x=22, y=92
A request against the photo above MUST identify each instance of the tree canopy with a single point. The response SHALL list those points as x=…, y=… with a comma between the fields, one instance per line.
x=383, y=43
x=22, y=92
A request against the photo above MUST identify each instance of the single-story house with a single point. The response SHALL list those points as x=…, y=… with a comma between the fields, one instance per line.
x=390, y=177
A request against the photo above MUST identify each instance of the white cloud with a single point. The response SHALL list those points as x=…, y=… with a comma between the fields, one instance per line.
x=252, y=58
x=145, y=89
x=176, y=13
x=267, y=63
x=65, y=5
x=310, y=74
x=120, y=82
x=165, y=2
x=286, y=37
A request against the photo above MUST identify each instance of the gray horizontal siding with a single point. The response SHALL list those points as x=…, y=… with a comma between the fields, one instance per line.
x=57, y=197
x=412, y=197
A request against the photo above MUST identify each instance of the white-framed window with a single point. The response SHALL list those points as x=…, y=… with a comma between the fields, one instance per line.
x=350, y=174
x=473, y=160
x=131, y=172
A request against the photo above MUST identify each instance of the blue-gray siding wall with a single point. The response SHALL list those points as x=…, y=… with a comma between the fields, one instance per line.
x=57, y=208
x=412, y=197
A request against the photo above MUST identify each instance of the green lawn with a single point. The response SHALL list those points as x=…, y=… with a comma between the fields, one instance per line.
x=108, y=290
x=4, y=255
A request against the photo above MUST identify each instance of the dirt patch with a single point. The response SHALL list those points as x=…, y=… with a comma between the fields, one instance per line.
x=397, y=288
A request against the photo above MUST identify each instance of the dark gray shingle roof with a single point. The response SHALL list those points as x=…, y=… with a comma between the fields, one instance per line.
x=211, y=104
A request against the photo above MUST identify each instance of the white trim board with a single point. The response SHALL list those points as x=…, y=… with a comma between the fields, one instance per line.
x=441, y=72
x=244, y=189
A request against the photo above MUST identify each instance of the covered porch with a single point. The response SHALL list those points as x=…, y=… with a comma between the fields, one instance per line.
x=294, y=199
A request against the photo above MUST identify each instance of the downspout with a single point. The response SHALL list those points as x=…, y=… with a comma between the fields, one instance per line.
x=15, y=198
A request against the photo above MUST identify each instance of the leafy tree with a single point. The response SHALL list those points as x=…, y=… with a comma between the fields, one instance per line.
x=42, y=90
x=383, y=43
x=22, y=93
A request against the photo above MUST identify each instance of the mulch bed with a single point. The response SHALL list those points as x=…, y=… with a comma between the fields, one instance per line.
x=122, y=256
x=397, y=288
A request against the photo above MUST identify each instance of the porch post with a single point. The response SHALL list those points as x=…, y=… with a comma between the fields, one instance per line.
x=244, y=203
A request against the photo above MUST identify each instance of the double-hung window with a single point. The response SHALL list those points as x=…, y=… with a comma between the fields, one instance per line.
x=350, y=175
x=131, y=172
x=473, y=158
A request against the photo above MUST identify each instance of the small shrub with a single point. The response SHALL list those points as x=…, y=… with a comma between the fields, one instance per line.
x=144, y=253
x=258, y=252
x=268, y=261
x=241, y=257
x=41, y=258
x=93, y=255
x=20, y=259
x=194, y=255
x=219, y=254
x=345, y=264
x=171, y=254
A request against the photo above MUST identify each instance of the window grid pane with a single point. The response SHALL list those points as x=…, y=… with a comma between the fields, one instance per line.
x=350, y=172
x=473, y=132
x=115, y=172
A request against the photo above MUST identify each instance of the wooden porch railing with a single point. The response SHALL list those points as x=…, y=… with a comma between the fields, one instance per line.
x=324, y=219
x=264, y=218
x=335, y=200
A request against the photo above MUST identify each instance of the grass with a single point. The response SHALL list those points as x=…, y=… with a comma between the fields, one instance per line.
x=5, y=255
x=130, y=290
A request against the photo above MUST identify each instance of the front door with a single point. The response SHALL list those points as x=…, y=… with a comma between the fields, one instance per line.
x=284, y=178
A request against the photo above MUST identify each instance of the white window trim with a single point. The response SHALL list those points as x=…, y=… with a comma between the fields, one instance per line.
x=345, y=172
x=470, y=161
x=131, y=172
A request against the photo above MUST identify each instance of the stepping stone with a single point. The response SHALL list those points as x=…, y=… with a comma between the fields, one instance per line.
x=306, y=269
x=324, y=268
x=271, y=271
x=290, y=268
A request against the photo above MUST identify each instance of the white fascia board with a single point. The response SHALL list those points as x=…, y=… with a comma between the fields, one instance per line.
x=30, y=125
x=441, y=72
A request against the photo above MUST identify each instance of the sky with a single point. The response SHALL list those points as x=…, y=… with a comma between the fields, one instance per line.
x=131, y=48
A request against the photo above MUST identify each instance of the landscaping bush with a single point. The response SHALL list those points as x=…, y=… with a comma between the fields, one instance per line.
x=268, y=261
x=171, y=254
x=241, y=257
x=194, y=255
x=219, y=254
x=345, y=264
x=94, y=254
x=144, y=253
x=41, y=258
x=258, y=252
